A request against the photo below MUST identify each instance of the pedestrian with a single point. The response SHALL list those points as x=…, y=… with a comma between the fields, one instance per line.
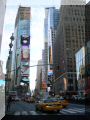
x=9, y=100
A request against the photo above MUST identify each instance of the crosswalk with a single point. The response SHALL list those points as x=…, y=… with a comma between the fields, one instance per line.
x=71, y=111
x=28, y=113
x=65, y=111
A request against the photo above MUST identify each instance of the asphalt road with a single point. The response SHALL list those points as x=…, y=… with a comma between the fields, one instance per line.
x=24, y=108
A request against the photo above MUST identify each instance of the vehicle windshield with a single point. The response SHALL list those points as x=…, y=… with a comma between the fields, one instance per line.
x=50, y=100
x=60, y=98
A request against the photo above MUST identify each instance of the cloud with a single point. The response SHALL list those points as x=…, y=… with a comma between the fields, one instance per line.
x=10, y=15
x=34, y=3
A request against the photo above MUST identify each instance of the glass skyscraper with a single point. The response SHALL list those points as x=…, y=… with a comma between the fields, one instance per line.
x=50, y=26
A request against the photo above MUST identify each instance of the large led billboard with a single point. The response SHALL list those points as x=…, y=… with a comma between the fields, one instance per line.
x=25, y=52
x=25, y=40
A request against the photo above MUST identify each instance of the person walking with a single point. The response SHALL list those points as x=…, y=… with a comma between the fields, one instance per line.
x=9, y=100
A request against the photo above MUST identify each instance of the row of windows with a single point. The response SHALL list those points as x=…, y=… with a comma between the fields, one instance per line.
x=74, y=27
x=82, y=6
x=74, y=19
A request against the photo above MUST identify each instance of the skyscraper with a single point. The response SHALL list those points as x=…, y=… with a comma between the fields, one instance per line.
x=87, y=51
x=21, y=49
x=39, y=76
x=70, y=38
x=50, y=23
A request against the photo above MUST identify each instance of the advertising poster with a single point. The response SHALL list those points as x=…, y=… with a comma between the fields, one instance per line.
x=25, y=52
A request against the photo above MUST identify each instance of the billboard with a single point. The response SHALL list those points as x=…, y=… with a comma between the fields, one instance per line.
x=25, y=40
x=50, y=72
x=24, y=70
x=25, y=53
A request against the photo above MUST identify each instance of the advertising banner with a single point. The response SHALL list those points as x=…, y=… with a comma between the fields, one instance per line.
x=50, y=72
x=25, y=53
x=24, y=70
x=25, y=40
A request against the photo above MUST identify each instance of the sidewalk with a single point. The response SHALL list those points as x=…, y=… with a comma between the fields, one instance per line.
x=11, y=110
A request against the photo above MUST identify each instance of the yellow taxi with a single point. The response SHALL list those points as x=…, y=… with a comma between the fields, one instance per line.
x=63, y=102
x=49, y=105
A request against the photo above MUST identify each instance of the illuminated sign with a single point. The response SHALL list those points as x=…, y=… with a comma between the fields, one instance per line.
x=25, y=40
x=25, y=53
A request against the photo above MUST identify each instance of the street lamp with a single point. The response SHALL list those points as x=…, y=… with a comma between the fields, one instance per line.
x=10, y=54
x=11, y=45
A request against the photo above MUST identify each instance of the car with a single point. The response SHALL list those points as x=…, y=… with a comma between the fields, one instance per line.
x=13, y=97
x=22, y=98
x=17, y=98
x=63, y=101
x=49, y=105
x=13, y=94
x=26, y=99
x=74, y=97
x=32, y=100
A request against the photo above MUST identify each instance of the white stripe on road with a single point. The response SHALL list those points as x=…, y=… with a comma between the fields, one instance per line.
x=28, y=113
x=63, y=111
x=72, y=111
x=33, y=113
x=66, y=111
x=17, y=113
x=78, y=110
x=24, y=113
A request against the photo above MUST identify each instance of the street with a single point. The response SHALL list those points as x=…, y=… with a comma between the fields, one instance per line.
x=23, y=108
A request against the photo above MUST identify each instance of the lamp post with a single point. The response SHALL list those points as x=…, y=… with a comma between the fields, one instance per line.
x=10, y=57
x=11, y=45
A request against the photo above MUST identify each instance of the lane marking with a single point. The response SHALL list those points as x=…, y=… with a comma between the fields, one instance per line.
x=24, y=113
x=17, y=113
x=68, y=111
x=33, y=113
x=77, y=110
x=72, y=111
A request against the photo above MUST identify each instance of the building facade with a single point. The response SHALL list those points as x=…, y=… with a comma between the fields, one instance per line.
x=80, y=70
x=51, y=22
x=2, y=14
x=70, y=38
x=87, y=50
x=21, y=49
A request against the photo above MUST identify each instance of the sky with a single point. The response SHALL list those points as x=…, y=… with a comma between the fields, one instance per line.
x=37, y=30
